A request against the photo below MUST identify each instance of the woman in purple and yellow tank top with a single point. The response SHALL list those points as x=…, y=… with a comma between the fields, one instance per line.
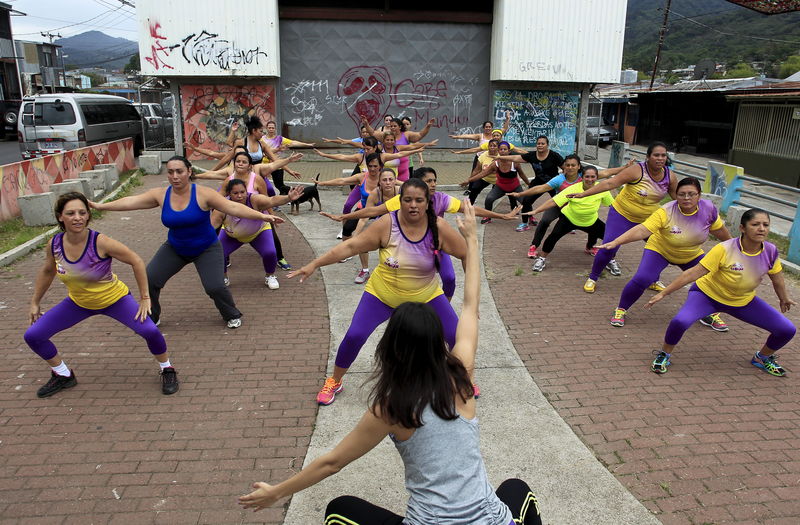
x=81, y=259
x=725, y=280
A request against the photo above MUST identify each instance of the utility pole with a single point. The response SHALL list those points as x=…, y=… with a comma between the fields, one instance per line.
x=661, y=36
x=51, y=36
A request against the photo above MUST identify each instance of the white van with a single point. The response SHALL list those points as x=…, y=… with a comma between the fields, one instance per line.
x=54, y=123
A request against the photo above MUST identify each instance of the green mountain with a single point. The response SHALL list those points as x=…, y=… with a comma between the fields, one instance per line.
x=713, y=29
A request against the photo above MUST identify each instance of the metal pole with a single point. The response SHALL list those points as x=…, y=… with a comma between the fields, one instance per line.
x=661, y=36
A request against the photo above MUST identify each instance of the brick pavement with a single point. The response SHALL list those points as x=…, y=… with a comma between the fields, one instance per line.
x=114, y=449
x=714, y=440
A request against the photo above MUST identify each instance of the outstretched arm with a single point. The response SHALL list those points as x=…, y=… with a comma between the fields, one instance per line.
x=467, y=332
x=368, y=433
x=145, y=201
x=205, y=151
x=542, y=207
x=342, y=181
x=485, y=172
x=355, y=157
x=629, y=174
x=637, y=233
x=689, y=276
x=214, y=174
x=610, y=172
x=534, y=190
x=481, y=212
x=266, y=169
x=363, y=213
x=415, y=136
x=507, y=122
x=476, y=149
x=386, y=157
x=513, y=158
x=262, y=202
x=215, y=201
x=469, y=136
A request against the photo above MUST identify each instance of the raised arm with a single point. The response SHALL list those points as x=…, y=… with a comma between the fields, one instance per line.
x=355, y=157
x=262, y=202
x=513, y=158
x=372, y=131
x=689, y=276
x=145, y=201
x=637, y=233
x=222, y=174
x=43, y=281
x=342, y=181
x=629, y=174
x=363, y=213
x=542, y=207
x=485, y=172
x=467, y=332
x=533, y=190
x=205, y=151
x=370, y=431
x=231, y=139
x=507, y=122
x=298, y=144
x=476, y=149
x=215, y=201
x=610, y=172
x=779, y=285
x=416, y=136
x=469, y=136
x=407, y=153
x=107, y=246
x=268, y=168
x=224, y=161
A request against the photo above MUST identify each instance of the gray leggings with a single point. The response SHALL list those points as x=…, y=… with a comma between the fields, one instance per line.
x=210, y=266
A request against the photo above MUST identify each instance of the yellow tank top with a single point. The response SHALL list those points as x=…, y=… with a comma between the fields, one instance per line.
x=639, y=200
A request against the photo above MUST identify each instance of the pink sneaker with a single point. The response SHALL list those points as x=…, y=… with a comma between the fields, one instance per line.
x=532, y=253
x=476, y=390
x=591, y=251
x=329, y=391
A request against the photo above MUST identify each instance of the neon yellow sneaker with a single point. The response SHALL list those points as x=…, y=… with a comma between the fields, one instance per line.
x=589, y=286
x=618, y=319
x=657, y=286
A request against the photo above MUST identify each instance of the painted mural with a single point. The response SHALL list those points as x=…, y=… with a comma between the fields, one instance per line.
x=36, y=176
x=209, y=112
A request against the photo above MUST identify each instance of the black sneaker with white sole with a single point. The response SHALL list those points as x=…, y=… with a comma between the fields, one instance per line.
x=169, y=381
x=57, y=383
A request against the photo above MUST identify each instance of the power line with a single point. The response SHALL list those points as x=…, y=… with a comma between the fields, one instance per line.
x=70, y=25
x=738, y=35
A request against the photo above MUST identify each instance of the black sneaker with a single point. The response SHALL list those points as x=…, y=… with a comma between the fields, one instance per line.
x=57, y=383
x=169, y=381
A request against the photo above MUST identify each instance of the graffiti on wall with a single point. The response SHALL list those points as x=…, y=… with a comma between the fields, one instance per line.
x=553, y=114
x=209, y=112
x=444, y=96
x=36, y=176
x=204, y=49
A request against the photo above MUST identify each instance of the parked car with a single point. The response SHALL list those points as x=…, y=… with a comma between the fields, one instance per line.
x=157, y=124
x=59, y=122
x=597, y=132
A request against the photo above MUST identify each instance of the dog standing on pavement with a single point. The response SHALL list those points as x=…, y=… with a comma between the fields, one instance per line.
x=310, y=194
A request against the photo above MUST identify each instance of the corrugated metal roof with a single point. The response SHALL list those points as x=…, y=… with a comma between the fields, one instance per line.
x=707, y=85
x=769, y=7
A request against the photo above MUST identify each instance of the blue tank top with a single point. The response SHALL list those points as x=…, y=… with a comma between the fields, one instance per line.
x=190, y=230
x=364, y=193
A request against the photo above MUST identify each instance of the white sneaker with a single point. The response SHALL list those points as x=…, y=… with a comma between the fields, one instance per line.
x=362, y=277
x=272, y=282
x=539, y=264
x=234, y=323
x=613, y=267
x=346, y=259
x=339, y=235
x=226, y=281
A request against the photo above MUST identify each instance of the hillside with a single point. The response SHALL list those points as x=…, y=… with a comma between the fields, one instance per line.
x=94, y=48
x=687, y=42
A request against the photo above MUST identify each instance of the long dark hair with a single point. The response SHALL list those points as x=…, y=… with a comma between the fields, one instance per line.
x=414, y=369
x=252, y=124
x=429, y=212
x=400, y=123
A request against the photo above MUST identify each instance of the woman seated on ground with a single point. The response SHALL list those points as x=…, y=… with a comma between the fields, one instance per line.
x=725, y=280
x=431, y=418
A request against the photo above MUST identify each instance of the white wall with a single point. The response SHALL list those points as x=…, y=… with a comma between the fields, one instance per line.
x=563, y=41
x=209, y=38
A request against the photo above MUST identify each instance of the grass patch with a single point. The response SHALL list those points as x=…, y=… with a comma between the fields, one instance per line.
x=518, y=271
x=14, y=232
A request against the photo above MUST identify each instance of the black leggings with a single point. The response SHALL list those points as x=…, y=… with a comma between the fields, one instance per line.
x=548, y=217
x=475, y=188
x=497, y=193
x=349, y=510
x=278, y=247
x=349, y=227
x=564, y=226
x=277, y=181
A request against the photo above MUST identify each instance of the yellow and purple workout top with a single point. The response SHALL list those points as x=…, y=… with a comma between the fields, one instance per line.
x=442, y=203
x=406, y=271
x=637, y=201
x=679, y=236
x=244, y=230
x=733, y=274
x=89, y=280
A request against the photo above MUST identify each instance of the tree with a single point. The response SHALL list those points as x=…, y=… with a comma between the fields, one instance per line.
x=96, y=79
x=789, y=67
x=741, y=70
x=133, y=64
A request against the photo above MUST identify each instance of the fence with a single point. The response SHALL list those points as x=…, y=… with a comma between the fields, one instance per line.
x=727, y=181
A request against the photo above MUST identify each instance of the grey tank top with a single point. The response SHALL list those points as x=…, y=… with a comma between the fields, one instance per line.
x=445, y=475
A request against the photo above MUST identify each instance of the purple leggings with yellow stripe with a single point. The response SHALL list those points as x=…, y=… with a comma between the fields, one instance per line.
x=67, y=314
x=371, y=312
x=757, y=312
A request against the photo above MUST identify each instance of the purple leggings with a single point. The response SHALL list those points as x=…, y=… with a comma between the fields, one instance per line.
x=757, y=312
x=264, y=244
x=67, y=314
x=650, y=268
x=616, y=225
x=371, y=312
x=352, y=199
x=448, y=275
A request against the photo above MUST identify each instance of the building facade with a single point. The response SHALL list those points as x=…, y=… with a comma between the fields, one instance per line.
x=317, y=70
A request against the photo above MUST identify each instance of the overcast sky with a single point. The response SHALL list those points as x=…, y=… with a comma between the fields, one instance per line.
x=72, y=17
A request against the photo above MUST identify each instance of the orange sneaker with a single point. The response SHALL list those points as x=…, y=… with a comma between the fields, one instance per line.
x=329, y=391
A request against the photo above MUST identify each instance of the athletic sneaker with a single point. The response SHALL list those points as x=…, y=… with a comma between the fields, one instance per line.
x=661, y=362
x=272, y=282
x=539, y=264
x=329, y=391
x=613, y=267
x=532, y=253
x=657, y=286
x=533, y=221
x=339, y=235
x=768, y=365
x=486, y=220
x=169, y=381
x=56, y=384
x=226, y=281
x=715, y=322
x=362, y=276
x=227, y=262
x=589, y=285
x=233, y=324
x=476, y=390
x=618, y=319
x=284, y=264
x=346, y=259
x=522, y=227
x=591, y=251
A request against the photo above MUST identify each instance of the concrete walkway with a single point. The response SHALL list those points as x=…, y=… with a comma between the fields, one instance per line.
x=522, y=435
